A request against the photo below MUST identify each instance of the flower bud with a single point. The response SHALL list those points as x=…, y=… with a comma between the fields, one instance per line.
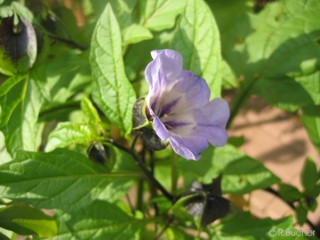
x=101, y=154
x=18, y=45
x=139, y=117
x=205, y=201
x=152, y=141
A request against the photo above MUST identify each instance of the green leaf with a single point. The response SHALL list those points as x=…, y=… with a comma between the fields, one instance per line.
x=241, y=173
x=289, y=192
x=4, y=155
x=113, y=92
x=60, y=179
x=197, y=39
x=229, y=80
x=311, y=122
x=301, y=213
x=68, y=73
x=100, y=220
x=95, y=124
x=309, y=176
x=68, y=134
x=26, y=220
x=245, y=226
x=135, y=33
x=161, y=14
x=21, y=106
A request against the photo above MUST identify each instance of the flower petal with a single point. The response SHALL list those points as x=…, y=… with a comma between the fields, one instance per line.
x=214, y=113
x=160, y=129
x=217, y=136
x=165, y=69
x=183, y=150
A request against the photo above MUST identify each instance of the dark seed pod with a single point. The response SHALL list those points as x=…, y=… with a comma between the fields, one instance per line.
x=18, y=45
x=139, y=117
x=206, y=202
x=152, y=141
x=98, y=153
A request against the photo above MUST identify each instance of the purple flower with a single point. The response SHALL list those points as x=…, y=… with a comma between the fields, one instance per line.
x=179, y=107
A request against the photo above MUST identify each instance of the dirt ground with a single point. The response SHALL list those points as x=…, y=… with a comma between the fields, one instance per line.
x=279, y=140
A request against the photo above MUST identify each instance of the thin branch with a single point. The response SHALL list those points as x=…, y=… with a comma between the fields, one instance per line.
x=290, y=204
x=146, y=171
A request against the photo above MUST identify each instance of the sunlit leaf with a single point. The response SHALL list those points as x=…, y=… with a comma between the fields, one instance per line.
x=113, y=92
x=26, y=220
x=197, y=39
x=60, y=179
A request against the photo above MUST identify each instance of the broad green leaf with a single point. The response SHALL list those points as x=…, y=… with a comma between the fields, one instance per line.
x=198, y=40
x=69, y=134
x=135, y=33
x=245, y=226
x=21, y=106
x=113, y=93
x=100, y=220
x=4, y=155
x=309, y=176
x=161, y=14
x=289, y=192
x=311, y=122
x=229, y=80
x=240, y=173
x=26, y=220
x=60, y=179
x=68, y=73
x=11, y=94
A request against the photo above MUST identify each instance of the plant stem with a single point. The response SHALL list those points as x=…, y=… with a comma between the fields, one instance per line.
x=240, y=99
x=139, y=203
x=311, y=225
x=146, y=171
x=174, y=177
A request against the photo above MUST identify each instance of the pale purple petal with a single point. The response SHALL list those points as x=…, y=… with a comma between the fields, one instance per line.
x=165, y=69
x=160, y=129
x=215, y=113
x=178, y=102
x=216, y=135
x=194, y=89
x=183, y=150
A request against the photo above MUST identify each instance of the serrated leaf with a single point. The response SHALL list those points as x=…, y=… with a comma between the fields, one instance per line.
x=135, y=33
x=245, y=226
x=26, y=220
x=113, y=92
x=161, y=14
x=198, y=40
x=309, y=176
x=90, y=111
x=100, y=220
x=94, y=121
x=60, y=179
x=21, y=106
x=68, y=134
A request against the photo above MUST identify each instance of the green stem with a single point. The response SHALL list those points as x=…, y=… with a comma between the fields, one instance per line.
x=140, y=195
x=240, y=99
x=174, y=177
x=146, y=171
